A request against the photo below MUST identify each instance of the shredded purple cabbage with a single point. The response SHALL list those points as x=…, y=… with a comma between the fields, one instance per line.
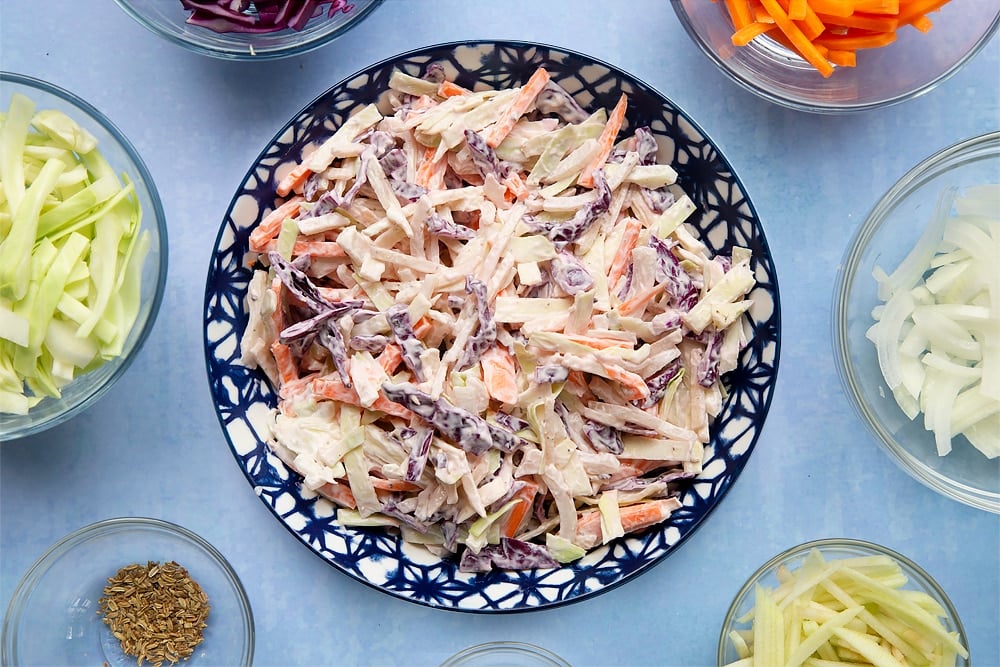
x=659, y=382
x=678, y=284
x=603, y=437
x=484, y=158
x=509, y=554
x=420, y=446
x=398, y=318
x=708, y=367
x=510, y=422
x=459, y=426
x=571, y=230
x=373, y=343
x=486, y=334
x=259, y=16
x=570, y=274
x=551, y=373
x=445, y=228
x=554, y=99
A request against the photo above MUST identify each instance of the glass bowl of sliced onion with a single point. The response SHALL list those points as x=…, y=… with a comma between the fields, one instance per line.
x=917, y=321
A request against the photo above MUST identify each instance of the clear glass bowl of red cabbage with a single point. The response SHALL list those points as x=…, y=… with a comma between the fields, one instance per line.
x=249, y=29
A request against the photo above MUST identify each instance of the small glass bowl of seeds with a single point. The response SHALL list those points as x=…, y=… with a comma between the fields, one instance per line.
x=129, y=591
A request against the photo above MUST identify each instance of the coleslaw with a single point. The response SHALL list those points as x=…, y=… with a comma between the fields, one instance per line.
x=488, y=324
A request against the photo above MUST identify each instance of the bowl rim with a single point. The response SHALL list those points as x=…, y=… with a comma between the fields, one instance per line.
x=819, y=107
x=246, y=52
x=29, y=580
x=768, y=258
x=925, y=581
x=506, y=647
x=158, y=215
x=930, y=167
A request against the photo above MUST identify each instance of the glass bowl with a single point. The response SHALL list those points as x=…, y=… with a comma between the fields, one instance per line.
x=168, y=19
x=505, y=654
x=53, y=615
x=832, y=549
x=887, y=235
x=914, y=64
x=87, y=388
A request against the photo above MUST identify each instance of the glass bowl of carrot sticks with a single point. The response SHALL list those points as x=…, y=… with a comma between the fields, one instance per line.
x=838, y=56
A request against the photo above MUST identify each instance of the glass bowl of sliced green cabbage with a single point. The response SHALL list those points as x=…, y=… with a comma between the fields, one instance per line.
x=83, y=255
x=917, y=321
x=842, y=601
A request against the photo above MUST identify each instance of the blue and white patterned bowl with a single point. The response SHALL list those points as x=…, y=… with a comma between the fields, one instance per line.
x=244, y=399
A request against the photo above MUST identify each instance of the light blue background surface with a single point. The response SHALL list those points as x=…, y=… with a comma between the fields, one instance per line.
x=153, y=446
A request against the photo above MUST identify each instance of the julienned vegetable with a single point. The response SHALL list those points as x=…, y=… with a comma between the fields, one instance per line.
x=851, y=612
x=71, y=255
x=937, y=333
x=828, y=33
x=259, y=16
x=488, y=324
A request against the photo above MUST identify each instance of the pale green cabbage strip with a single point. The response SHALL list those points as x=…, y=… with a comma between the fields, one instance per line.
x=71, y=255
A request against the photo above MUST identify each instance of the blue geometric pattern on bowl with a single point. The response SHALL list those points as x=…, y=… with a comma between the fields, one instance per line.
x=244, y=399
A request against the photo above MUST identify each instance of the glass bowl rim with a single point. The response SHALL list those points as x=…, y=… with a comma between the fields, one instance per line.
x=507, y=646
x=930, y=167
x=815, y=106
x=294, y=47
x=124, y=361
x=64, y=545
x=926, y=582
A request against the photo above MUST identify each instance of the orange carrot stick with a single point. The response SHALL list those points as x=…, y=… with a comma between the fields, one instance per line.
x=873, y=22
x=833, y=7
x=914, y=10
x=636, y=387
x=287, y=370
x=422, y=326
x=854, y=42
x=430, y=172
x=497, y=132
x=293, y=180
x=802, y=43
x=739, y=12
x=390, y=358
x=519, y=512
x=877, y=6
x=597, y=343
x=334, y=389
x=313, y=248
x=747, y=33
x=450, y=89
x=630, y=236
x=515, y=185
x=639, y=301
x=842, y=58
x=922, y=23
x=340, y=494
x=394, y=484
x=797, y=9
x=499, y=374
x=634, y=518
x=607, y=141
x=271, y=224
